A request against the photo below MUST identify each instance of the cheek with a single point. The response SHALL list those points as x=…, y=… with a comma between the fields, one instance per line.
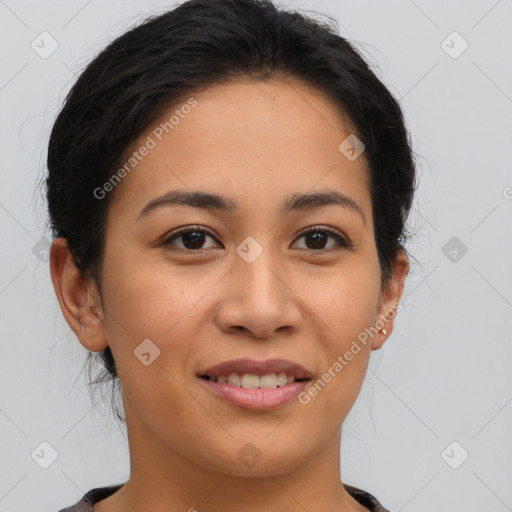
x=345, y=310
x=148, y=301
x=150, y=296
x=345, y=362
x=346, y=303
x=145, y=300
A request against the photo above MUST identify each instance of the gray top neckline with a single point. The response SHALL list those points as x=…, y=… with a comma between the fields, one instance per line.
x=100, y=493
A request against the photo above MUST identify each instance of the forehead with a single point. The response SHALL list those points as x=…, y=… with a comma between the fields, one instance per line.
x=265, y=139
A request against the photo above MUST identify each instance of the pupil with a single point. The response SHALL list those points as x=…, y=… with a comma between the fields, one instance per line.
x=194, y=238
x=317, y=239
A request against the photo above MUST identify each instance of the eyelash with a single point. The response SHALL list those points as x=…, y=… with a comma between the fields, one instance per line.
x=342, y=241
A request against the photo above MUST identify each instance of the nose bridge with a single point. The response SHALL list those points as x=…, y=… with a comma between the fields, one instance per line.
x=258, y=268
x=264, y=302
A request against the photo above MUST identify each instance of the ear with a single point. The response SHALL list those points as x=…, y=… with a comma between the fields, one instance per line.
x=390, y=298
x=78, y=298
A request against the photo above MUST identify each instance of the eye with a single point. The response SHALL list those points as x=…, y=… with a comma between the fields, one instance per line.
x=318, y=236
x=192, y=237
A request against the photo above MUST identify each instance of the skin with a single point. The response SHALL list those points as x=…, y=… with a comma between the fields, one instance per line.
x=256, y=143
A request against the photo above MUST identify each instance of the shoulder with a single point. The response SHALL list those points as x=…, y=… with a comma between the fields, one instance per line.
x=365, y=499
x=81, y=506
x=91, y=497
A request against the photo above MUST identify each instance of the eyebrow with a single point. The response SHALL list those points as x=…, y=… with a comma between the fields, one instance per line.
x=206, y=200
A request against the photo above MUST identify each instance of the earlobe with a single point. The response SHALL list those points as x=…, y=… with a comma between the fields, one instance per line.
x=390, y=300
x=78, y=298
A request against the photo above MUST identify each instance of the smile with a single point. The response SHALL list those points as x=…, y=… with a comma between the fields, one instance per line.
x=256, y=393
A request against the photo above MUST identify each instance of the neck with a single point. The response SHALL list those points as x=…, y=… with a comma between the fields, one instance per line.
x=162, y=478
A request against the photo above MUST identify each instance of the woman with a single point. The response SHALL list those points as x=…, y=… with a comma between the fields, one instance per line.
x=228, y=188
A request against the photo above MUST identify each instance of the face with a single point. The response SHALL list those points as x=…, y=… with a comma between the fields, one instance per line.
x=204, y=283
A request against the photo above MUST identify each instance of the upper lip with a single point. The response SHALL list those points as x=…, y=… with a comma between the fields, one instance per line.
x=257, y=368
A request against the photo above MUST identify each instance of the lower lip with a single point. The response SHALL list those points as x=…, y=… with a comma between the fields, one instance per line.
x=256, y=399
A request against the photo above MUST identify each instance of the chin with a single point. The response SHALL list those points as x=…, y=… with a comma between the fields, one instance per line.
x=258, y=459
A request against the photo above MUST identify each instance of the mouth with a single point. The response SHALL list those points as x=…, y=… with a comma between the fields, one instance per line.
x=256, y=385
x=252, y=381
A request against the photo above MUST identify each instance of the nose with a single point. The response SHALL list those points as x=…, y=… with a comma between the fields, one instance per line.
x=259, y=299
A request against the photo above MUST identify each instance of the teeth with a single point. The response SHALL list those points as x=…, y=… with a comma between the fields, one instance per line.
x=282, y=379
x=234, y=380
x=251, y=381
x=268, y=381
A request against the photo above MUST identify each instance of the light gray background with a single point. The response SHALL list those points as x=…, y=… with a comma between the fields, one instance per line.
x=444, y=375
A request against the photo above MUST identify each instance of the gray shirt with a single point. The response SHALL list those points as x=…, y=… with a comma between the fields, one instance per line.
x=100, y=493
